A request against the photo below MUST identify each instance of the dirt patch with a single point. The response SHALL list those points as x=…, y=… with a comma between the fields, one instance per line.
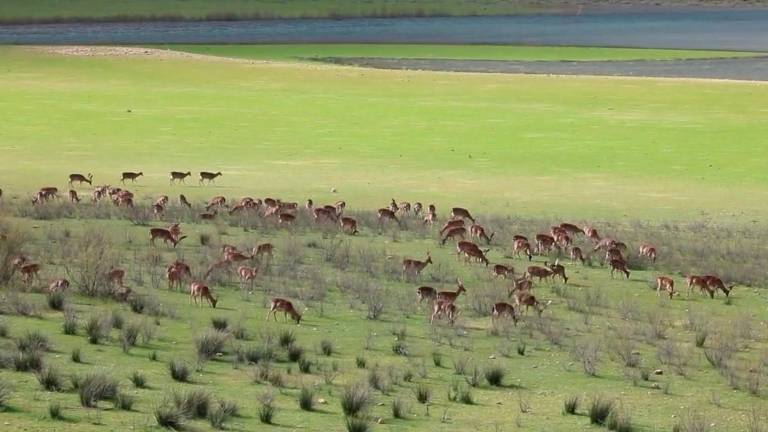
x=118, y=51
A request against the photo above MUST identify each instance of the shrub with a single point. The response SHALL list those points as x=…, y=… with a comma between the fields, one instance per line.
x=129, y=335
x=599, y=409
x=355, y=399
x=137, y=305
x=306, y=398
x=138, y=379
x=326, y=347
x=96, y=387
x=56, y=300
x=179, y=370
x=4, y=332
x=193, y=403
x=5, y=393
x=295, y=353
x=28, y=360
x=152, y=356
x=267, y=408
x=437, y=358
x=354, y=424
x=240, y=332
x=570, y=405
x=169, y=416
x=97, y=328
x=219, y=323
x=460, y=393
x=588, y=354
x=33, y=340
x=360, y=362
x=399, y=347
x=116, y=320
x=54, y=411
x=701, y=336
x=305, y=365
x=692, y=422
x=209, y=344
x=75, y=381
x=423, y=393
x=399, y=408
x=124, y=401
x=521, y=348
x=50, y=379
x=475, y=376
x=69, y=326
x=494, y=375
x=257, y=354
x=460, y=365
x=619, y=421
x=221, y=413
x=286, y=338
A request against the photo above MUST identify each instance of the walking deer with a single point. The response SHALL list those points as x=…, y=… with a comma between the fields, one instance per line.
x=620, y=266
x=179, y=177
x=201, y=291
x=413, y=267
x=451, y=296
x=443, y=309
x=80, y=179
x=208, y=176
x=349, y=225
x=132, y=176
x=285, y=306
x=666, y=283
x=165, y=235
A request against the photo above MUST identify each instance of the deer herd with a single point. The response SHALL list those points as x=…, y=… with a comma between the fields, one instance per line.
x=461, y=228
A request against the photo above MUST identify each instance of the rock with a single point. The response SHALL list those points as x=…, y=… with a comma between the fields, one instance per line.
x=380, y=404
x=379, y=420
x=322, y=401
x=333, y=190
x=655, y=386
x=491, y=356
x=658, y=372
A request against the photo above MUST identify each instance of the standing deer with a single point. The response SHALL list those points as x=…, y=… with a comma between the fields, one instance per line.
x=263, y=249
x=116, y=276
x=453, y=223
x=430, y=218
x=571, y=229
x=29, y=272
x=451, y=296
x=201, y=290
x=322, y=214
x=442, y=309
x=620, y=266
x=477, y=231
x=504, y=271
x=576, y=254
x=58, y=285
x=387, y=214
x=165, y=235
x=349, y=225
x=545, y=243
x=667, y=283
x=591, y=233
x=699, y=281
x=285, y=306
x=132, y=176
x=176, y=272
x=286, y=219
x=184, y=202
x=414, y=267
x=426, y=293
x=522, y=245
x=179, y=177
x=557, y=270
x=417, y=207
x=648, y=250
x=458, y=212
x=208, y=176
x=525, y=298
x=501, y=310
x=454, y=233
x=247, y=275
x=80, y=179
x=217, y=201
x=543, y=273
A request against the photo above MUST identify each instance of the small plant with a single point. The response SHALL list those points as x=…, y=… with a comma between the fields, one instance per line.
x=219, y=323
x=326, y=347
x=460, y=365
x=305, y=365
x=96, y=387
x=240, y=332
x=458, y=392
x=619, y=421
x=179, y=370
x=169, y=416
x=423, y=394
x=221, y=413
x=54, y=411
x=56, y=300
x=209, y=343
x=475, y=376
x=28, y=360
x=437, y=358
x=116, y=320
x=355, y=399
x=152, y=356
x=599, y=409
x=360, y=362
x=137, y=305
x=701, y=336
x=50, y=379
x=128, y=336
x=286, y=338
x=377, y=381
x=399, y=408
x=193, y=403
x=267, y=408
x=138, y=379
x=521, y=348
x=399, y=347
x=494, y=375
x=355, y=424
x=74, y=381
x=307, y=399
x=295, y=352
x=124, y=401
x=4, y=331
x=69, y=326
x=570, y=405
x=33, y=340
x=5, y=393
x=97, y=328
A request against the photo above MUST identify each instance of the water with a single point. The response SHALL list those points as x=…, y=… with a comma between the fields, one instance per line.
x=737, y=30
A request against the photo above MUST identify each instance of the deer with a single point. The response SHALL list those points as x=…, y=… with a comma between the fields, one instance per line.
x=545, y=243
x=520, y=284
x=453, y=223
x=58, y=285
x=604, y=244
x=393, y=207
x=620, y=266
x=699, y=281
x=417, y=207
x=247, y=275
x=233, y=256
x=471, y=250
x=175, y=229
x=208, y=176
x=405, y=207
x=414, y=267
x=179, y=177
x=176, y=272
x=522, y=245
x=165, y=235
x=286, y=219
x=309, y=205
x=453, y=233
x=116, y=276
x=162, y=200
x=322, y=214
x=209, y=215
x=501, y=310
x=340, y=206
x=217, y=201
x=349, y=225
x=157, y=209
x=430, y=218
x=184, y=202
x=29, y=272
x=285, y=306
x=451, y=296
x=591, y=233
x=132, y=176
x=201, y=290
x=442, y=309
x=503, y=271
x=263, y=249
x=557, y=230
x=73, y=198
x=563, y=240
x=80, y=179
x=426, y=293
x=557, y=270
x=667, y=283
x=458, y=212
x=714, y=283
x=525, y=298
x=543, y=273
x=614, y=253
x=477, y=231
x=647, y=250
x=98, y=193
x=576, y=254
x=384, y=214
x=571, y=229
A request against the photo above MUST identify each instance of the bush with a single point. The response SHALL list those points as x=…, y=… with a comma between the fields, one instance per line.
x=240, y=332
x=33, y=340
x=437, y=358
x=619, y=421
x=96, y=387
x=399, y=347
x=4, y=332
x=360, y=362
x=193, y=403
x=570, y=405
x=599, y=409
x=326, y=347
x=399, y=408
x=257, y=354
x=355, y=399
x=124, y=401
x=5, y=393
x=701, y=336
x=56, y=300
x=295, y=353
x=423, y=393
x=267, y=408
x=305, y=365
x=460, y=365
x=50, y=379
x=54, y=411
x=306, y=398
x=475, y=376
x=377, y=381
x=179, y=370
x=286, y=338
x=97, y=328
x=221, y=413
x=138, y=379
x=494, y=375
x=458, y=392
x=587, y=353
x=210, y=343
x=521, y=348
x=152, y=356
x=116, y=320
x=137, y=305
x=129, y=335
x=169, y=416
x=219, y=323
x=69, y=326
x=28, y=360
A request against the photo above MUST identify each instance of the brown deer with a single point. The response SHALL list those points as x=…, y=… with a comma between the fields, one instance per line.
x=157, y=209
x=604, y=244
x=405, y=207
x=430, y=218
x=340, y=206
x=176, y=272
x=699, y=281
x=614, y=253
x=620, y=266
x=414, y=267
x=165, y=235
x=217, y=201
x=417, y=207
x=545, y=243
x=208, y=176
x=557, y=230
x=384, y=214
x=648, y=250
x=502, y=310
x=426, y=293
x=285, y=306
x=715, y=283
x=58, y=285
x=116, y=276
x=453, y=223
x=209, y=215
x=162, y=200
x=517, y=237
x=525, y=298
x=571, y=229
x=520, y=284
x=201, y=291
x=322, y=214
x=458, y=212
x=478, y=231
x=233, y=256
x=263, y=249
x=179, y=177
x=521, y=245
x=73, y=198
x=393, y=207
x=132, y=176
x=309, y=205
x=471, y=250
x=451, y=296
x=442, y=309
x=576, y=254
x=98, y=193
x=349, y=225
x=543, y=273
x=503, y=271
x=591, y=233
x=563, y=240
x=184, y=202
x=667, y=283
x=286, y=219
x=247, y=275
x=29, y=272
x=557, y=270
x=454, y=233
x=80, y=179
x=175, y=229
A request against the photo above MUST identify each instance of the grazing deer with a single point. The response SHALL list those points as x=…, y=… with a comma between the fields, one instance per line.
x=201, y=290
x=605, y=244
x=571, y=229
x=667, y=283
x=591, y=233
x=442, y=309
x=217, y=201
x=501, y=310
x=557, y=270
x=545, y=243
x=175, y=229
x=454, y=223
x=576, y=254
x=471, y=250
x=520, y=284
x=563, y=240
x=387, y=214
x=176, y=272
x=620, y=266
x=417, y=207
x=73, y=198
x=522, y=245
x=543, y=273
x=247, y=275
x=322, y=214
x=116, y=276
x=648, y=250
x=232, y=256
x=179, y=177
x=426, y=293
x=263, y=249
x=614, y=253
x=58, y=285
x=454, y=233
x=285, y=306
x=184, y=202
x=699, y=281
x=132, y=176
x=557, y=230
x=715, y=283
x=451, y=296
x=208, y=176
x=458, y=212
x=525, y=298
x=165, y=235
x=349, y=225
x=517, y=237
x=503, y=271
x=29, y=272
x=477, y=231
x=286, y=219
x=414, y=267
x=80, y=179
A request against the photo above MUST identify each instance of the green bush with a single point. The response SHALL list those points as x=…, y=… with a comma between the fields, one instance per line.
x=355, y=399
x=599, y=409
x=69, y=326
x=399, y=408
x=355, y=424
x=423, y=393
x=494, y=375
x=5, y=393
x=179, y=370
x=307, y=399
x=194, y=403
x=56, y=300
x=570, y=405
x=219, y=323
x=138, y=379
x=169, y=416
x=210, y=343
x=50, y=379
x=326, y=347
x=286, y=338
x=54, y=411
x=95, y=387
x=33, y=340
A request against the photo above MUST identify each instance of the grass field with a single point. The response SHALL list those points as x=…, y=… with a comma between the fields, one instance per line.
x=644, y=159
x=469, y=52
